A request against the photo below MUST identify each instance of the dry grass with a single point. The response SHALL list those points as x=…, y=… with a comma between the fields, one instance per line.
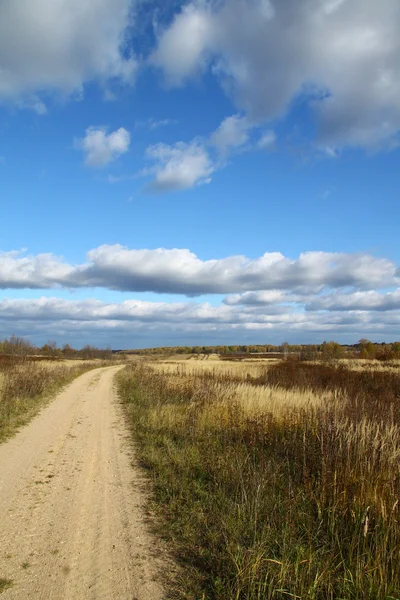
x=251, y=399
x=68, y=363
x=239, y=370
x=354, y=364
x=273, y=486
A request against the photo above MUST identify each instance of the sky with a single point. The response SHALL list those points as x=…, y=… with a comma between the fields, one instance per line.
x=201, y=172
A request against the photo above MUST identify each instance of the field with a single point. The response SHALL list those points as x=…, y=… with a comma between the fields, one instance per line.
x=272, y=480
x=26, y=385
x=202, y=364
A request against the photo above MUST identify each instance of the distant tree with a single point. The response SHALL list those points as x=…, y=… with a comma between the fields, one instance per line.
x=309, y=352
x=367, y=349
x=50, y=349
x=285, y=349
x=396, y=349
x=17, y=346
x=67, y=351
x=331, y=351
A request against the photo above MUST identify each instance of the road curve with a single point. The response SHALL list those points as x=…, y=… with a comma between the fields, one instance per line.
x=71, y=506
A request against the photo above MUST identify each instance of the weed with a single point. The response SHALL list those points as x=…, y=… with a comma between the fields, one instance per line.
x=5, y=584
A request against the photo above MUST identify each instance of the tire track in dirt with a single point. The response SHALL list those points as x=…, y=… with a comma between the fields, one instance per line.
x=71, y=505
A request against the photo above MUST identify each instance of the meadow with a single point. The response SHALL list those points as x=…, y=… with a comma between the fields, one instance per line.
x=272, y=479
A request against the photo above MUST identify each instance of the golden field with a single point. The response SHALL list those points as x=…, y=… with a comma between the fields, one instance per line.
x=273, y=480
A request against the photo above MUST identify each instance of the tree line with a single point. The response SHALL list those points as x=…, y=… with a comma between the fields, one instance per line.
x=18, y=346
x=327, y=350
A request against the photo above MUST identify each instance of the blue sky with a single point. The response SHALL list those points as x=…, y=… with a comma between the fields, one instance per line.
x=199, y=172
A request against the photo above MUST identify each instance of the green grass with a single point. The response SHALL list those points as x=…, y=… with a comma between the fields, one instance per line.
x=260, y=507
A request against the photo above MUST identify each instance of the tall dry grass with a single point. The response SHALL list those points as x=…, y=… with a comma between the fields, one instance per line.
x=237, y=371
x=281, y=486
x=355, y=364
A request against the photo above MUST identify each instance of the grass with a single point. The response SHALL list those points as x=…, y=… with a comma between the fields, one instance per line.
x=213, y=365
x=25, y=386
x=371, y=365
x=5, y=584
x=285, y=485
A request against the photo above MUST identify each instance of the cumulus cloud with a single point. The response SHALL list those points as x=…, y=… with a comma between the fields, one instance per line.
x=185, y=165
x=232, y=133
x=267, y=141
x=179, y=271
x=366, y=300
x=342, y=57
x=182, y=46
x=34, y=272
x=179, y=167
x=256, y=298
x=101, y=148
x=60, y=45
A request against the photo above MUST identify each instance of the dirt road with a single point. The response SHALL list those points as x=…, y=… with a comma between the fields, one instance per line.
x=71, y=507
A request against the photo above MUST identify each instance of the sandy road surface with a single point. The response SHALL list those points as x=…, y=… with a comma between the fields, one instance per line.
x=71, y=522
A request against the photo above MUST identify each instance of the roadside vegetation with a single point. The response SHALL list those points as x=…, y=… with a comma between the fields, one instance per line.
x=28, y=380
x=17, y=346
x=277, y=483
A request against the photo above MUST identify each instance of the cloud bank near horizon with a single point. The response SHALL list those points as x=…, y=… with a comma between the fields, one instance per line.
x=92, y=319
x=317, y=294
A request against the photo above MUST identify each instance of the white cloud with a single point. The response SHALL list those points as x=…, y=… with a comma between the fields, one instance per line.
x=366, y=300
x=152, y=124
x=232, y=133
x=32, y=102
x=267, y=141
x=179, y=271
x=179, y=167
x=185, y=165
x=181, y=47
x=60, y=45
x=101, y=148
x=40, y=271
x=156, y=124
x=256, y=298
x=342, y=56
